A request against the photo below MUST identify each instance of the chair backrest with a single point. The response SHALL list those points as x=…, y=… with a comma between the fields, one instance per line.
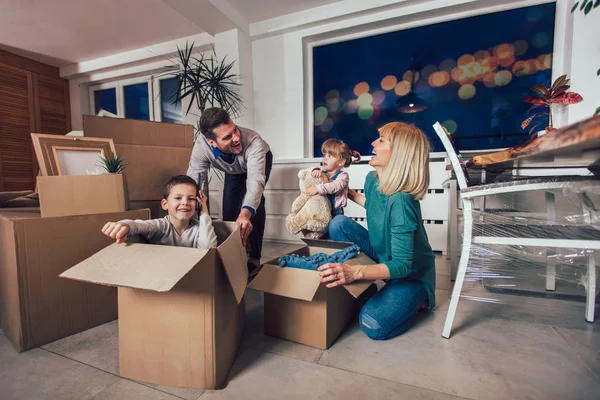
x=453, y=154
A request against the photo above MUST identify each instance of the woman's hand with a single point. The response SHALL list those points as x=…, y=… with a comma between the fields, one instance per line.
x=311, y=191
x=339, y=274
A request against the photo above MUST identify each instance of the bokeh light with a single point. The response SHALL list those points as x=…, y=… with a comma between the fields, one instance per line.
x=521, y=47
x=447, y=65
x=360, y=88
x=506, y=62
x=465, y=60
x=365, y=112
x=466, y=91
x=439, y=79
x=351, y=107
x=545, y=61
x=337, y=106
x=481, y=54
x=520, y=68
x=503, y=77
x=389, y=82
x=488, y=79
x=378, y=97
x=402, y=88
x=456, y=74
x=376, y=112
x=327, y=125
x=411, y=76
x=320, y=115
x=450, y=125
x=428, y=70
x=364, y=100
x=489, y=64
x=535, y=14
x=332, y=96
x=504, y=51
x=540, y=39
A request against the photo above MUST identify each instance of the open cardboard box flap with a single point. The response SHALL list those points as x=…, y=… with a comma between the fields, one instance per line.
x=160, y=268
x=303, y=284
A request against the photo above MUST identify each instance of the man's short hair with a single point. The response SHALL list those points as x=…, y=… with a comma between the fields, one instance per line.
x=178, y=180
x=212, y=118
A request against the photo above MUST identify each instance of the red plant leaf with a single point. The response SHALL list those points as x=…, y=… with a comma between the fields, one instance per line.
x=559, y=90
x=541, y=89
x=526, y=122
x=535, y=100
x=567, y=98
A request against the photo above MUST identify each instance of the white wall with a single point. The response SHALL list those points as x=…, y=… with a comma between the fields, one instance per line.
x=585, y=62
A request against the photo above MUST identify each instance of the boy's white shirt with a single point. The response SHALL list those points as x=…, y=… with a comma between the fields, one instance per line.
x=200, y=233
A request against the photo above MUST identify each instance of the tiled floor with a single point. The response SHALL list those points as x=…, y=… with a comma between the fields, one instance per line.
x=518, y=348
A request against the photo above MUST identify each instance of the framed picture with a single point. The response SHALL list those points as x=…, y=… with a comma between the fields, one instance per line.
x=68, y=155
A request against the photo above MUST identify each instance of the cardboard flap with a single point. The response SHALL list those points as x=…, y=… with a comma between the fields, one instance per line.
x=294, y=283
x=233, y=256
x=357, y=288
x=140, y=266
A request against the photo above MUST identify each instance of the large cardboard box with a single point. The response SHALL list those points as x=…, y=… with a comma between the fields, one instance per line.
x=82, y=194
x=36, y=307
x=153, y=151
x=301, y=309
x=181, y=314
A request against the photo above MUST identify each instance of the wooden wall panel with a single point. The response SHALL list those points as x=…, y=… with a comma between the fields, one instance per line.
x=15, y=128
x=53, y=111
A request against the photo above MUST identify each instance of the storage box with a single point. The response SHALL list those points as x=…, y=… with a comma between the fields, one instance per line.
x=301, y=309
x=153, y=151
x=36, y=307
x=82, y=194
x=181, y=313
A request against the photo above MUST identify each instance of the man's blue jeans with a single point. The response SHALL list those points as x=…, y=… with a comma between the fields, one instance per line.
x=392, y=310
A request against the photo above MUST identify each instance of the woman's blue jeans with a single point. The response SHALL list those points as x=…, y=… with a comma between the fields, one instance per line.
x=392, y=310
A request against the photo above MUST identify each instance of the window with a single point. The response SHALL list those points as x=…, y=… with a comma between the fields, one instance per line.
x=170, y=109
x=145, y=98
x=105, y=99
x=136, y=101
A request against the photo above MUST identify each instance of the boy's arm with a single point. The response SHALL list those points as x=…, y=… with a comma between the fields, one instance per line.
x=335, y=186
x=207, y=237
x=147, y=228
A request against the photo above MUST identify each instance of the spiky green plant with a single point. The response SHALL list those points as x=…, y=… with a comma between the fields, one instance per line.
x=112, y=164
x=206, y=80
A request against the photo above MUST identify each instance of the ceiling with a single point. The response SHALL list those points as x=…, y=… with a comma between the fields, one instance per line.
x=63, y=32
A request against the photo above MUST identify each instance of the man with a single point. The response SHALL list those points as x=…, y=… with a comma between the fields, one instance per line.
x=246, y=160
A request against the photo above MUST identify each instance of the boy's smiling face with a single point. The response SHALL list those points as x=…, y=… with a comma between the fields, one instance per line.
x=181, y=202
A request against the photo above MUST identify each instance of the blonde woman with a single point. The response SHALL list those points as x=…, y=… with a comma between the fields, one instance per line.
x=396, y=238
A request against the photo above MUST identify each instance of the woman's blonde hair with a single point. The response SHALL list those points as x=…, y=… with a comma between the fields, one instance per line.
x=341, y=150
x=408, y=168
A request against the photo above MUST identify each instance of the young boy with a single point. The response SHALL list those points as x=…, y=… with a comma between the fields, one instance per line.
x=176, y=229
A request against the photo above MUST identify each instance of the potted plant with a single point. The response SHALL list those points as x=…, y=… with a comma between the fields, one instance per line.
x=112, y=164
x=206, y=80
x=546, y=97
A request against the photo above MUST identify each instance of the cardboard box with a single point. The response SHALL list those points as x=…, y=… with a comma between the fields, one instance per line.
x=156, y=210
x=82, y=194
x=181, y=314
x=153, y=151
x=301, y=309
x=36, y=307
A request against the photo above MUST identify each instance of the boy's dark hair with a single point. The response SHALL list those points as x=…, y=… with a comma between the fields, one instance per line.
x=212, y=118
x=178, y=180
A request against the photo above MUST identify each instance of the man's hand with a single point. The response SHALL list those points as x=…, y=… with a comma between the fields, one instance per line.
x=116, y=230
x=202, y=199
x=310, y=191
x=244, y=223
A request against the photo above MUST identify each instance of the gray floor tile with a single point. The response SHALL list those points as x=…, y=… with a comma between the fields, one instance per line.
x=188, y=394
x=491, y=359
x=586, y=344
x=254, y=333
x=98, y=347
x=260, y=375
x=128, y=390
x=38, y=374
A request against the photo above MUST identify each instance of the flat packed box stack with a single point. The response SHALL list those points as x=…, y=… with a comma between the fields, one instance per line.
x=153, y=151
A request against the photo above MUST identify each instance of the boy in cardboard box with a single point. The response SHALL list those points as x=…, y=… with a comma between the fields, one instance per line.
x=180, y=199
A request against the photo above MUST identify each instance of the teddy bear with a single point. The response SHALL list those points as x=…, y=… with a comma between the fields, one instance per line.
x=310, y=214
